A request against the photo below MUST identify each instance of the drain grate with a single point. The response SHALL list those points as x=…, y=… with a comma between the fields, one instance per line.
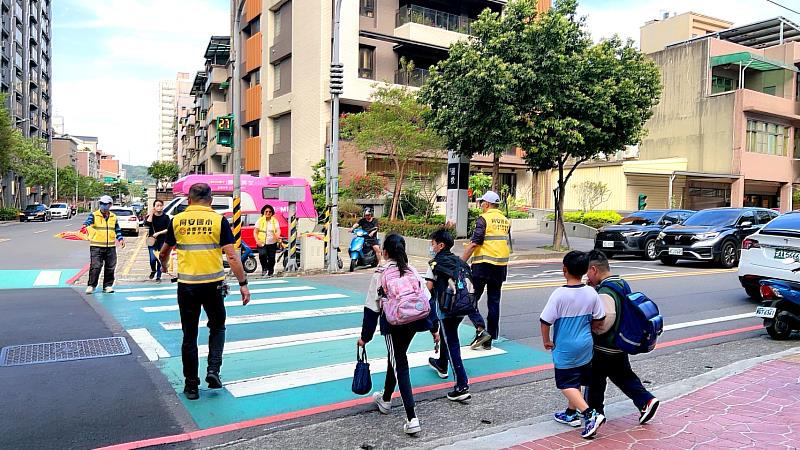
x=20, y=355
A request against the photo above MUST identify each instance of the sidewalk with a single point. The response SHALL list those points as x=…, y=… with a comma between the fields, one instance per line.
x=749, y=408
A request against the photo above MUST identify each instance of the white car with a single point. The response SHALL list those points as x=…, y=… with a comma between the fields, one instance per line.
x=60, y=211
x=772, y=252
x=127, y=219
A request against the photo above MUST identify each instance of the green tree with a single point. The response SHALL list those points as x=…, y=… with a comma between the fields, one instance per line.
x=136, y=190
x=394, y=127
x=479, y=184
x=90, y=188
x=163, y=172
x=67, y=179
x=31, y=160
x=7, y=139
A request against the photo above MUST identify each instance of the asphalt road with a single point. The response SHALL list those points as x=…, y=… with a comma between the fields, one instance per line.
x=33, y=245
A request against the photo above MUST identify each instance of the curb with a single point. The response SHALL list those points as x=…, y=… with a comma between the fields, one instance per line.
x=78, y=275
x=509, y=435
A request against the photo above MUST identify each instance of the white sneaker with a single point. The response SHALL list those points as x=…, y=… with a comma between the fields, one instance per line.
x=383, y=407
x=89, y=290
x=109, y=290
x=412, y=426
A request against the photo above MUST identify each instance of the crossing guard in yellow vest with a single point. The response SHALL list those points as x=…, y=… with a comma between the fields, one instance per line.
x=490, y=249
x=105, y=234
x=201, y=236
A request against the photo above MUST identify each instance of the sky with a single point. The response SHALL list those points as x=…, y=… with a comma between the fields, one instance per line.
x=109, y=55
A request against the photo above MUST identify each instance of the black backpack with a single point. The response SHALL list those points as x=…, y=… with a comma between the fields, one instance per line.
x=459, y=296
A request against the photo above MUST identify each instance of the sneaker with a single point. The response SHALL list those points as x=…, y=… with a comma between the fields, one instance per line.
x=591, y=424
x=383, y=407
x=89, y=290
x=191, y=391
x=459, y=395
x=412, y=426
x=481, y=337
x=152, y=275
x=213, y=380
x=434, y=363
x=649, y=411
x=263, y=274
x=487, y=345
x=573, y=420
x=109, y=290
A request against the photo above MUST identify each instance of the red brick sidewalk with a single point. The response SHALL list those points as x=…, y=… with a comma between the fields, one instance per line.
x=754, y=409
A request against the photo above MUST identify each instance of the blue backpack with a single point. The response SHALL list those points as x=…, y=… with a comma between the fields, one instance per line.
x=640, y=323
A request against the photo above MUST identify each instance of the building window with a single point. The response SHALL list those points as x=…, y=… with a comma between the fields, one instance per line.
x=771, y=90
x=276, y=131
x=368, y=8
x=767, y=138
x=277, y=70
x=720, y=84
x=797, y=143
x=366, y=62
x=277, y=27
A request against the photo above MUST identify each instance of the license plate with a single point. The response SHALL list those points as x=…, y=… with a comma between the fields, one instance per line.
x=676, y=251
x=608, y=244
x=31, y=217
x=765, y=312
x=786, y=254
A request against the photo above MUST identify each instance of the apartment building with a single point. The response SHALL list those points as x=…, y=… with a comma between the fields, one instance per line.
x=169, y=93
x=65, y=151
x=655, y=35
x=88, y=156
x=285, y=61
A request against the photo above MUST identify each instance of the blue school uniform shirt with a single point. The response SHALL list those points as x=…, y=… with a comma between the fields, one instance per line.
x=570, y=311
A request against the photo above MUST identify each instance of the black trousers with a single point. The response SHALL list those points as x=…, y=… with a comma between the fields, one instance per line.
x=266, y=255
x=493, y=292
x=617, y=368
x=191, y=297
x=102, y=258
x=397, y=372
x=450, y=350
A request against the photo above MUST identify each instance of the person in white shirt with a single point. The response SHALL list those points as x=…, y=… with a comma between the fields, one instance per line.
x=268, y=237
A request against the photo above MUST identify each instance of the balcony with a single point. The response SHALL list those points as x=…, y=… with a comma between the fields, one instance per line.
x=252, y=154
x=217, y=109
x=252, y=104
x=431, y=26
x=218, y=75
x=413, y=78
x=253, y=53
x=252, y=9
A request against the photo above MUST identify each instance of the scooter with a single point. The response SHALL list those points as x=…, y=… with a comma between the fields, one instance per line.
x=780, y=308
x=360, y=254
x=248, y=257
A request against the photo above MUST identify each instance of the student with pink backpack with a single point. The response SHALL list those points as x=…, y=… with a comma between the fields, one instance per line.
x=400, y=301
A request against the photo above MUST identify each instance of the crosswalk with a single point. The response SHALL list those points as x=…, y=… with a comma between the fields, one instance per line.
x=291, y=349
x=26, y=279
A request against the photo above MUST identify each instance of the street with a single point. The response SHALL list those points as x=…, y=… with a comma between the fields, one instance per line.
x=289, y=354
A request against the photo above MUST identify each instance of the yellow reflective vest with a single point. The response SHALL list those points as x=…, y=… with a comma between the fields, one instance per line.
x=102, y=233
x=261, y=230
x=495, y=248
x=197, y=236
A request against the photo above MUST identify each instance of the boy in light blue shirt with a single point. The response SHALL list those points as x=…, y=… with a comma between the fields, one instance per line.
x=570, y=312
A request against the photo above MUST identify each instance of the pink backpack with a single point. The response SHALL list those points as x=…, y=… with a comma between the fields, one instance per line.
x=406, y=300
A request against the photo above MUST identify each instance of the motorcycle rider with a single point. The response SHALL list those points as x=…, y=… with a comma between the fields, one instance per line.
x=369, y=224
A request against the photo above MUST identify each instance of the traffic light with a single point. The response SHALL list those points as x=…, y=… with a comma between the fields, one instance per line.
x=642, y=202
x=337, y=78
x=225, y=130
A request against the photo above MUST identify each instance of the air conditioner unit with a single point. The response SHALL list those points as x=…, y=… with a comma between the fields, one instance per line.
x=224, y=160
x=631, y=152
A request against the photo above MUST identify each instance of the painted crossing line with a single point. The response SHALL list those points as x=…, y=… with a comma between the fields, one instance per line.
x=264, y=301
x=695, y=323
x=272, y=317
x=254, y=291
x=48, y=278
x=253, y=345
x=149, y=345
x=333, y=372
x=174, y=287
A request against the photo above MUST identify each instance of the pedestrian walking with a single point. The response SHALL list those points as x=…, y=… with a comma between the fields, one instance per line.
x=571, y=311
x=396, y=272
x=105, y=235
x=442, y=274
x=268, y=237
x=199, y=233
x=157, y=226
x=609, y=362
x=490, y=250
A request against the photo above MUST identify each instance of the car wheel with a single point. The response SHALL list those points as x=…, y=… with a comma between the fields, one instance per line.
x=753, y=292
x=729, y=257
x=650, y=250
x=778, y=329
x=668, y=260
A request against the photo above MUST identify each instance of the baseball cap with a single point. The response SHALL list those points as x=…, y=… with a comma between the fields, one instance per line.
x=106, y=199
x=490, y=197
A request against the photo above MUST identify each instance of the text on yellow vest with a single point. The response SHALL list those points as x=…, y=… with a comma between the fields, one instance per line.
x=103, y=233
x=495, y=249
x=197, y=235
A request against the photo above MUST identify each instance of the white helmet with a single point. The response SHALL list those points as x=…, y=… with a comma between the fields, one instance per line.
x=106, y=199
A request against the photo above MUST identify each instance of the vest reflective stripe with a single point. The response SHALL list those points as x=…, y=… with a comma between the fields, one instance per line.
x=103, y=231
x=197, y=234
x=201, y=278
x=495, y=248
x=191, y=247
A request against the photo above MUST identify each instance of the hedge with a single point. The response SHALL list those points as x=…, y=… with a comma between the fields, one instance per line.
x=410, y=229
x=9, y=214
x=594, y=219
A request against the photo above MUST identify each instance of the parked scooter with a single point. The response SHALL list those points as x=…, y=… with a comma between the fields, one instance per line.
x=248, y=257
x=361, y=254
x=780, y=308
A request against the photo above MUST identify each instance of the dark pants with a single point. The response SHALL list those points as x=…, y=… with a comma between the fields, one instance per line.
x=155, y=263
x=450, y=350
x=617, y=368
x=492, y=288
x=266, y=255
x=397, y=372
x=191, y=297
x=100, y=257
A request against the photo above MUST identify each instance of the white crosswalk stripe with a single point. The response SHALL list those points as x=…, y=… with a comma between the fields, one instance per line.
x=264, y=301
x=252, y=345
x=272, y=317
x=173, y=287
x=252, y=292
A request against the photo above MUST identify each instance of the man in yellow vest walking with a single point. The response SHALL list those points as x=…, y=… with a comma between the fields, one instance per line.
x=104, y=236
x=490, y=249
x=201, y=236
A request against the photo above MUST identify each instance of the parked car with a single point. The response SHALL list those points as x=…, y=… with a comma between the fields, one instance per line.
x=636, y=233
x=60, y=211
x=713, y=235
x=771, y=253
x=35, y=212
x=127, y=219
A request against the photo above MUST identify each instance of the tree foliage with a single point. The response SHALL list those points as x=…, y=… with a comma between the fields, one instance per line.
x=479, y=183
x=163, y=172
x=7, y=138
x=592, y=194
x=31, y=160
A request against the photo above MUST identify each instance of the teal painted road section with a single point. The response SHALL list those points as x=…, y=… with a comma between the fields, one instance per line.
x=296, y=356
x=27, y=279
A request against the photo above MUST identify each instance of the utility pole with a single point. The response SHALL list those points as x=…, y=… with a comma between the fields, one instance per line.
x=337, y=86
x=236, y=147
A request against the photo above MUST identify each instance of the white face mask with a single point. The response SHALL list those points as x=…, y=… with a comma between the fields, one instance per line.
x=431, y=251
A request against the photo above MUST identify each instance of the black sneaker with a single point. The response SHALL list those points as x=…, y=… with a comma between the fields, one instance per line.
x=487, y=345
x=481, y=337
x=192, y=391
x=434, y=363
x=649, y=411
x=152, y=274
x=213, y=380
x=459, y=395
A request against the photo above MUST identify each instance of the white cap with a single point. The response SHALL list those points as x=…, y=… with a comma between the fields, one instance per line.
x=106, y=199
x=490, y=197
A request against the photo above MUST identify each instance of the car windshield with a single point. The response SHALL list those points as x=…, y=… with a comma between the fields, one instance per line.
x=788, y=223
x=122, y=212
x=58, y=205
x=713, y=218
x=642, y=218
x=34, y=208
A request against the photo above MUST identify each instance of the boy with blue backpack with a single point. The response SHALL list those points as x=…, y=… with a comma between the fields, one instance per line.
x=453, y=297
x=609, y=360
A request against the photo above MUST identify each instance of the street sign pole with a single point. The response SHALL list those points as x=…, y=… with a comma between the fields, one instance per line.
x=457, y=212
x=333, y=161
x=236, y=147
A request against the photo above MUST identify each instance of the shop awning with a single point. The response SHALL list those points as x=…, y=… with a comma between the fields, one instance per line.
x=751, y=61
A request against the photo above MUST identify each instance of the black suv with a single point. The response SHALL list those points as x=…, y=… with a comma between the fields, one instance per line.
x=711, y=235
x=636, y=233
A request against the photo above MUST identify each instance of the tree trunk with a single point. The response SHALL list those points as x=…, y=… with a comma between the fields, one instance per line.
x=558, y=229
x=496, y=172
x=398, y=185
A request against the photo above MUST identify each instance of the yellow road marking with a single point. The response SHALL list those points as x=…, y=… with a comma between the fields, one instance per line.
x=544, y=284
x=135, y=255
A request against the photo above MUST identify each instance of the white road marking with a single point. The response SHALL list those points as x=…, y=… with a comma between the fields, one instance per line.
x=306, y=377
x=264, y=301
x=175, y=287
x=48, y=278
x=695, y=323
x=4, y=240
x=272, y=317
x=149, y=345
x=252, y=345
x=40, y=231
x=254, y=291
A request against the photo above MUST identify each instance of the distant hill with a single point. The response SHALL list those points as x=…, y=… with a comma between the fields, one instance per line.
x=135, y=173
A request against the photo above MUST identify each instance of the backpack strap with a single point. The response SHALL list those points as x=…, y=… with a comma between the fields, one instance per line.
x=622, y=289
